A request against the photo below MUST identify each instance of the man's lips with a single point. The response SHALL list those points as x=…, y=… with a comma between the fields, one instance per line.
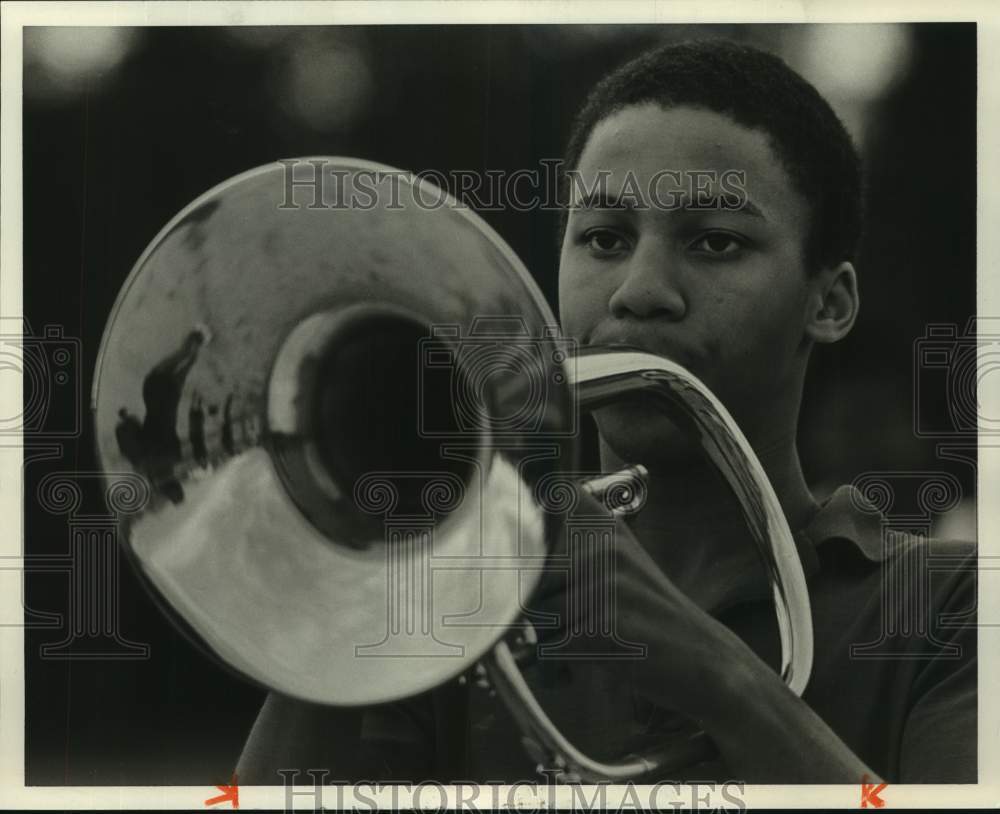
x=652, y=345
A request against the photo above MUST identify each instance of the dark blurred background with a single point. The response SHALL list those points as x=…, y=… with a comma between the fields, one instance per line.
x=124, y=127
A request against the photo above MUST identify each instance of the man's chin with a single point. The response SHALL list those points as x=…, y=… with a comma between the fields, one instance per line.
x=640, y=434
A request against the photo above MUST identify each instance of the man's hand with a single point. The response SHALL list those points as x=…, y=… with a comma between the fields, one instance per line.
x=609, y=595
x=613, y=602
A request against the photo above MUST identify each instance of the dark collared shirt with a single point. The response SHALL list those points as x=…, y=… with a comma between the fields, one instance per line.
x=894, y=673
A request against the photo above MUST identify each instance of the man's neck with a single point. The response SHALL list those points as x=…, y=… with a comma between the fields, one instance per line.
x=693, y=525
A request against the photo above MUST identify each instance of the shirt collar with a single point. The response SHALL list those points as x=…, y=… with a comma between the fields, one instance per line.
x=847, y=516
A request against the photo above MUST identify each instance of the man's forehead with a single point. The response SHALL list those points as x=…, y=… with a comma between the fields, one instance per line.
x=699, y=154
x=648, y=130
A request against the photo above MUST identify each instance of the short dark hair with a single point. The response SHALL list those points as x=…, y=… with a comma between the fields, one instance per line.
x=757, y=90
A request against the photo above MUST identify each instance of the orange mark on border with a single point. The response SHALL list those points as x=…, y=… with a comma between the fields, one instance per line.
x=229, y=793
x=870, y=793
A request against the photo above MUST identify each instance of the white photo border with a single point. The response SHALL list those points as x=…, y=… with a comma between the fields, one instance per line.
x=16, y=15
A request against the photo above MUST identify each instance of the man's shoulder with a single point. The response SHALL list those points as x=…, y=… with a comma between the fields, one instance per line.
x=852, y=520
x=893, y=584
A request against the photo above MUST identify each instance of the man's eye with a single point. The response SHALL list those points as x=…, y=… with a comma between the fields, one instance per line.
x=719, y=244
x=602, y=241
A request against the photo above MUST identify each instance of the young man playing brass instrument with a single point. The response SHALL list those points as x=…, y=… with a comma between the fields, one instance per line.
x=739, y=296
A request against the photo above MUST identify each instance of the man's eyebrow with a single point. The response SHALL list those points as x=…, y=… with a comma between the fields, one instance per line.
x=600, y=199
x=744, y=207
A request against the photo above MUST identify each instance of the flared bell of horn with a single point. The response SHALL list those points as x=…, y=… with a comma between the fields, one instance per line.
x=341, y=388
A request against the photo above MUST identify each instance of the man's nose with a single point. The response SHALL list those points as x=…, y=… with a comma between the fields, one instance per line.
x=650, y=286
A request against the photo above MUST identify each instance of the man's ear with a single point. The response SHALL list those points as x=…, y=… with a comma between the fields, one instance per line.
x=833, y=304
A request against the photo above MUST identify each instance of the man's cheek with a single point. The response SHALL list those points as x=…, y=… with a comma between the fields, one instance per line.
x=576, y=314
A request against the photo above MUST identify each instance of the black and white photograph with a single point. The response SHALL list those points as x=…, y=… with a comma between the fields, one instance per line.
x=468, y=406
